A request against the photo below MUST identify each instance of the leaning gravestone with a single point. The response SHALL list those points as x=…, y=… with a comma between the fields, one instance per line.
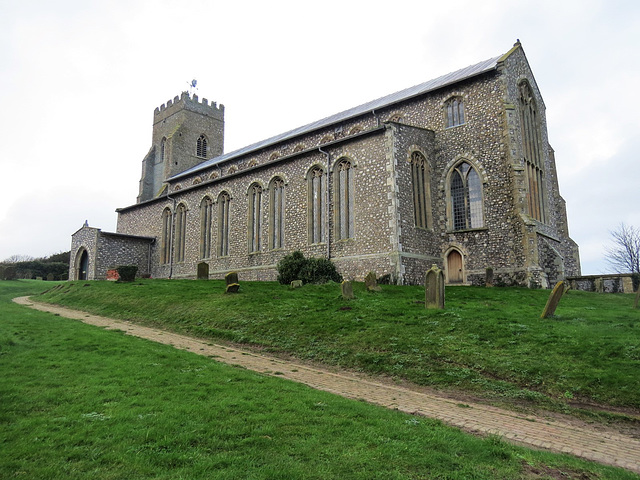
x=434, y=288
x=554, y=299
x=231, y=279
x=488, y=278
x=347, y=290
x=371, y=283
x=203, y=271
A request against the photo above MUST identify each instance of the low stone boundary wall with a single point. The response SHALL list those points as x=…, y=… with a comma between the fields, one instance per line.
x=613, y=283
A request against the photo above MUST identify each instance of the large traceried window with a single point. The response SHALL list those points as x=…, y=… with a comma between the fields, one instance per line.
x=223, y=224
x=532, y=151
x=454, y=112
x=421, y=194
x=165, y=242
x=201, y=146
x=276, y=213
x=317, y=199
x=344, y=193
x=206, y=221
x=181, y=232
x=465, y=193
x=255, y=218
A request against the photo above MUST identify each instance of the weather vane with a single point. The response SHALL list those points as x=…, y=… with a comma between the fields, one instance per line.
x=193, y=86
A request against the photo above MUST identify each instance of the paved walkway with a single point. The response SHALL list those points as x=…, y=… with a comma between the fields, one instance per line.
x=604, y=447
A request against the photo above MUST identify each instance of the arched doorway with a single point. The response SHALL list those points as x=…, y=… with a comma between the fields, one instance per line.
x=454, y=267
x=82, y=265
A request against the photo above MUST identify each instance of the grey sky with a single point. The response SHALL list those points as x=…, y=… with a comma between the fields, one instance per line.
x=79, y=81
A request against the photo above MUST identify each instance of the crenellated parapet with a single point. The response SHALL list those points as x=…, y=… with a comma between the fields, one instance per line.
x=191, y=103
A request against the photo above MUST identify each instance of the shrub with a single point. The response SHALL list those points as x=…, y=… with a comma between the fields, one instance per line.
x=127, y=273
x=310, y=270
x=635, y=281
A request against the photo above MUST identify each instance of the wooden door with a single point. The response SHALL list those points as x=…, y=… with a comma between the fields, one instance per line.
x=454, y=267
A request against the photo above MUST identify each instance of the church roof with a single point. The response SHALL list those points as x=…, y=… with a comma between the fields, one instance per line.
x=431, y=85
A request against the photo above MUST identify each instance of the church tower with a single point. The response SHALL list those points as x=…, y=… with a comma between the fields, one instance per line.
x=186, y=132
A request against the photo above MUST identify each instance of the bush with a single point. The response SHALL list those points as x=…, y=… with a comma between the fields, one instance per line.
x=127, y=273
x=635, y=281
x=310, y=270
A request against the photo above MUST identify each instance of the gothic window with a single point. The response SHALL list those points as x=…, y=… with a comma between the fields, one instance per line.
x=165, y=243
x=465, y=193
x=454, y=112
x=206, y=220
x=223, y=224
x=532, y=151
x=201, y=146
x=181, y=232
x=344, y=200
x=276, y=213
x=255, y=209
x=421, y=193
x=317, y=199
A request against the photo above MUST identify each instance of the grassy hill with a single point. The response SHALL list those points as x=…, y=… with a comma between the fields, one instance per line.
x=489, y=343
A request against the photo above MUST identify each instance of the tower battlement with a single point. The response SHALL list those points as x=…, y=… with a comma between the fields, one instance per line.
x=187, y=102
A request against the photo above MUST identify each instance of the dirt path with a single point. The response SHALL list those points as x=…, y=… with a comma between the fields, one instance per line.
x=606, y=447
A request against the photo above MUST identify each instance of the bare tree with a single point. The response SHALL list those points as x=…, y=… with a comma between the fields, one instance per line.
x=18, y=258
x=624, y=255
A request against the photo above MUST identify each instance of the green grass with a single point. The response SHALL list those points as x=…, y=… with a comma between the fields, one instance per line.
x=80, y=402
x=488, y=342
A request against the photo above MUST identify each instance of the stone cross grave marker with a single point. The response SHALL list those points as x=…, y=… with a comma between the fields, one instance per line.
x=203, y=271
x=554, y=299
x=347, y=290
x=371, y=283
x=434, y=288
x=231, y=279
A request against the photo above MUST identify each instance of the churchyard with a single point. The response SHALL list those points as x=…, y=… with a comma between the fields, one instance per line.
x=84, y=402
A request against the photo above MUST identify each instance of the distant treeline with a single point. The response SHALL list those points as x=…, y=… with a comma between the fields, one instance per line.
x=53, y=267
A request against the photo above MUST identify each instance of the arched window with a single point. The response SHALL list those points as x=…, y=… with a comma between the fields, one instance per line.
x=255, y=208
x=223, y=224
x=532, y=151
x=181, y=232
x=201, y=146
x=344, y=200
x=454, y=112
x=165, y=243
x=317, y=204
x=465, y=194
x=206, y=220
x=421, y=193
x=276, y=213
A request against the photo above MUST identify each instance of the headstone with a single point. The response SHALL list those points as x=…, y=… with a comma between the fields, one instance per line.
x=296, y=284
x=50, y=277
x=434, y=288
x=347, y=290
x=232, y=288
x=599, y=285
x=635, y=304
x=231, y=277
x=39, y=278
x=488, y=278
x=371, y=283
x=203, y=271
x=554, y=299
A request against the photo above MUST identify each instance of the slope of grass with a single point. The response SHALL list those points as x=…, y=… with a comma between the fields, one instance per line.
x=79, y=402
x=490, y=342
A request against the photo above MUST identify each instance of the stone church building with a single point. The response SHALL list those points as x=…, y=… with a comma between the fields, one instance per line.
x=457, y=171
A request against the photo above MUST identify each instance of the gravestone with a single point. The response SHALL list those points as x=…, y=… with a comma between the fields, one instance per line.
x=488, y=277
x=554, y=299
x=296, y=284
x=371, y=283
x=203, y=271
x=232, y=288
x=635, y=304
x=347, y=290
x=434, y=288
x=599, y=282
x=50, y=277
x=231, y=280
x=39, y=278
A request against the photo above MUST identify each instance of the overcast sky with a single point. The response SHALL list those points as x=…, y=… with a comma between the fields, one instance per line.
x=79, y=80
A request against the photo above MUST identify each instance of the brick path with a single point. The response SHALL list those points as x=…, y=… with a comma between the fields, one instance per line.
x=604, y=447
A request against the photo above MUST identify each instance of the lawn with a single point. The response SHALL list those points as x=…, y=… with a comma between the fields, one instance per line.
x=80, y=402
x=489, y=342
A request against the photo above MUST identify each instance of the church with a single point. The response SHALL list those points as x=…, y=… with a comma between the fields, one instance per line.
x=457, y=171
